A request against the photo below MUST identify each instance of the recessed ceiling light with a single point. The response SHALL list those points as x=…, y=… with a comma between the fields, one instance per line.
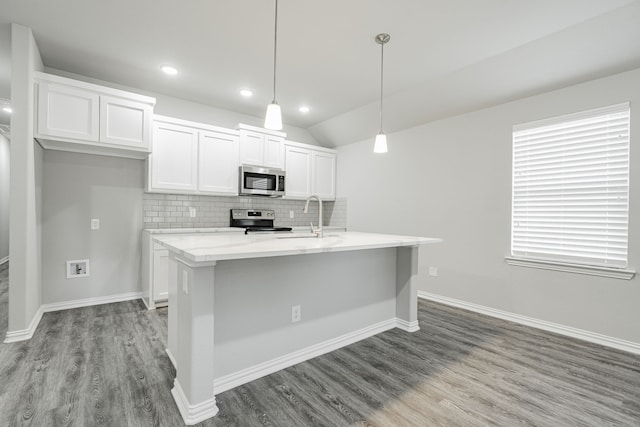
x=304, y=109
x=169, y=70
x=7, y=110
x=246, y=93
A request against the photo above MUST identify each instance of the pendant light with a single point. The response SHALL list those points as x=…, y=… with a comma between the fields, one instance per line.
x=380, y=144
x=273, y=118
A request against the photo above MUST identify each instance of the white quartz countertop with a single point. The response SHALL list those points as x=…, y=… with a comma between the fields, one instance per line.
x=203, y=247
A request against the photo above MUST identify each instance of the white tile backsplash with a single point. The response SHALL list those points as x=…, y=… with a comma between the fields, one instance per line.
x=172, y=211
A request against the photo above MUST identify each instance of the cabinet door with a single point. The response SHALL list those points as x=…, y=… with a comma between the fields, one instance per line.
x=174, y=160
x=218, y=163
x=298, y=169
x=273, y=152
x=125, y=122
x=324, y=175
x=251, y=148
x=67, y=112
x=160, y=275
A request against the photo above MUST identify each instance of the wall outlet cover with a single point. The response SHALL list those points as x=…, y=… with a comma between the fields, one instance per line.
x=95, y=224
x=192, y=212
x=296, y=314
x=433, y=271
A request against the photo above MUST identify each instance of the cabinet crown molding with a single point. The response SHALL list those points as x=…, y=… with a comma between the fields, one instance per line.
x=242, y=126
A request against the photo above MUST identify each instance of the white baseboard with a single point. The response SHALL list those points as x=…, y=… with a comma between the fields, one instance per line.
x=557, y=328
x=407, y=326
x=87, y=302
x=252, y=373
x=171, y=358
x=25, y=334
x=193, y=414
x=3, y=260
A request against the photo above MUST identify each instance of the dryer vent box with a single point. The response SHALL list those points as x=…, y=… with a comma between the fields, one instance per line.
x=77, y=268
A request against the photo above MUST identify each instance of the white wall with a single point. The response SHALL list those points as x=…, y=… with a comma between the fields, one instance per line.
x=5, y=162
x=24, y=209
x=77, y=188
x=452, y=179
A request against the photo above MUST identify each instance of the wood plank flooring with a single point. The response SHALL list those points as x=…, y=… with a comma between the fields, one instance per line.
x=4, y=298
x=106, y=366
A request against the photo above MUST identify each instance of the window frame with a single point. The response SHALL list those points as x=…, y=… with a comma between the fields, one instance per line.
x=566, y=262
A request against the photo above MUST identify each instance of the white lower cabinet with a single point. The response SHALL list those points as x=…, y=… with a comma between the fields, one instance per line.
x=192, y=158
x=310, y=171
x=160, y=273
x=155, y=272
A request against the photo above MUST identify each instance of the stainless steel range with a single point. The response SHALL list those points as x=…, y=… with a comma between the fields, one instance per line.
x=255, y=220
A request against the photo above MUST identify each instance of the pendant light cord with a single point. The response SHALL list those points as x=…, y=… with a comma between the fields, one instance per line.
x=381, y=81
x=275, y=52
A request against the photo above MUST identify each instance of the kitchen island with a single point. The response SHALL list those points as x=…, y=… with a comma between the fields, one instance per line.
x=234, y=300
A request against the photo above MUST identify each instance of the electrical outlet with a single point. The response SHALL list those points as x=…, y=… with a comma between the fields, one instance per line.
x=296, y=314
x=95, y=224
x=77, y=268
x=192, y=212
x=292, y=214
x=433, y=271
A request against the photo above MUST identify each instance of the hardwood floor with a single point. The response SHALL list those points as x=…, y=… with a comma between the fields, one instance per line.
x=105, y=365
x=4, y=299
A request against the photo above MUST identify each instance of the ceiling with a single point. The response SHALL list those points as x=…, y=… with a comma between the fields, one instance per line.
x=445, y=57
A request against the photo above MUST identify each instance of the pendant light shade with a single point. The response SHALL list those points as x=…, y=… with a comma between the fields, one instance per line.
x=273, y=118
x=380, y=144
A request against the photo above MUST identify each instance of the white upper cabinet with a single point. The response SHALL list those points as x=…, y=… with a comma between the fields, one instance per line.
x=251, y=148
x=298, y=179
x=87, y=118
x=174, y=160
x=311, y=170
x=125, y=122
x=67, y=112
x=218, y=165
x=273, y=152
x=192, y=158
x=261, y=147
x=324, y=174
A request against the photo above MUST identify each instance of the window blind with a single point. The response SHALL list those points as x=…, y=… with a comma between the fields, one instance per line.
x=571, y=188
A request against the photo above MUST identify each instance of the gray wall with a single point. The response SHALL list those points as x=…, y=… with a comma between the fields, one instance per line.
x=77, y=188
x=452, y=179
x=4, y=197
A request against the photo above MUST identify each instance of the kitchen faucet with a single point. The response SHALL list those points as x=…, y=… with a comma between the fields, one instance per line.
x=316, y=231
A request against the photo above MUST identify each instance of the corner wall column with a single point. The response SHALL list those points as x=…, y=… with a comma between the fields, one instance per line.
x=193, y=386
x=407, y=288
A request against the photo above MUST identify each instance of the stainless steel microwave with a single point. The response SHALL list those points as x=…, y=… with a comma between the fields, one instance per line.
x=259, y=181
